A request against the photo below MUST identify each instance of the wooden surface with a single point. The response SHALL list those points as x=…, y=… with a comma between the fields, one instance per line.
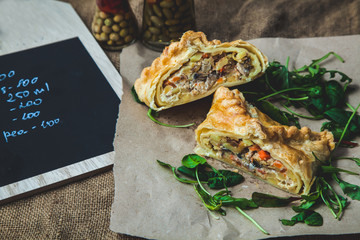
x=31, y=23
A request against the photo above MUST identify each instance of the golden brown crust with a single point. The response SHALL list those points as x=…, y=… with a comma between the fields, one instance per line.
x=174, y=56
x=230, y=114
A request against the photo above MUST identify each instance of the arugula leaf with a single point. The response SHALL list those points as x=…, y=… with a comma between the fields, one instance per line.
x=183, y=180
x=315, y=219
x=153, y=114
x=224, y=177
x=192, y=160
x=207, y=199
x=228, y=200
x=331, y=169
x=356, y=160
x=267, y=200
x=304, y=206
x=135, y=96
x=308, y=217
x=215, y=180
x=351, y=190
x=276, y=114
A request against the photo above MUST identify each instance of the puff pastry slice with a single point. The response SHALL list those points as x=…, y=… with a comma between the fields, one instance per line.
x=237, y=133
x=194, y=68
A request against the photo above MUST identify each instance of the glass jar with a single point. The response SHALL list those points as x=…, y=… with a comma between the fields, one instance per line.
x=164, y=21
x=114, y=25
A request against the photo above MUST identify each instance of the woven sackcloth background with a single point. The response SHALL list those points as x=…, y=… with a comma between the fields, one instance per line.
x=81, y=210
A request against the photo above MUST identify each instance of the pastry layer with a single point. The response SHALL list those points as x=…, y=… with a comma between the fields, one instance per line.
x=194, y=68
x=237, y=133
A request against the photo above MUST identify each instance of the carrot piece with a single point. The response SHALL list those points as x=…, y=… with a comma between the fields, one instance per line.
x=264, y=155
x=220, y=80
x=175, y=79
x=205, y=55
x=278, y=164
x=254, y=148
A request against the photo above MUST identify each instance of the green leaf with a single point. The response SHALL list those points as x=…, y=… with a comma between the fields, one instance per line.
x=288, y=222
x=207, y=199
x=331, y=169
x=228, y=200
x=315, y=219
x=351, y=190
x=304, y=206
x=334, y=93
x=300, y=217
x=183, y=180
x=356, y=160
x=152, y=115
x=135, y=96
x=267, y=200
x=223, y=178
x=192, y=160
x=276, y=114
x=190, y=172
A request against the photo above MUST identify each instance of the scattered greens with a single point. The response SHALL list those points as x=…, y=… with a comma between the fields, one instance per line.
x=320, y=91
x=196, y=167
x=323, y=93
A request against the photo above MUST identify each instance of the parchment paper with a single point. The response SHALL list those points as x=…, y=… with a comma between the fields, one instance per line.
x=150, y=203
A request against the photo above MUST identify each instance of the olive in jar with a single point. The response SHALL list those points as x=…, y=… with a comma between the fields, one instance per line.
x=164, y=21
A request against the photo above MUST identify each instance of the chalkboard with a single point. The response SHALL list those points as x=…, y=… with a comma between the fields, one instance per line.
x=56, y=109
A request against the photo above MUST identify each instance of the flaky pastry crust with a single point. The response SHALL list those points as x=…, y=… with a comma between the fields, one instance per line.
x=233, y=118
x=150, y=85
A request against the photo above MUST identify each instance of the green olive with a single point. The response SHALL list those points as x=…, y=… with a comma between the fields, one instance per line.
x=108, y=22
x=157, y=21
x=114, y=36
x=154, y=38
x=99, y=21
x=168, y=14
x=157, y=10
x=128, y=38
x=115, y=28
x=103, y=15
x=124, y=32
x=97, y=28
x=97, y=36
x=166, y=4
x=104, y=37
x=106, y=29
x=172, y=22
x=147, y=35
x=147, y=20
x=163, y=38
x=118, y=17
x=110, y=42
x=175, y=28
x=154, y=30
x=124, y=24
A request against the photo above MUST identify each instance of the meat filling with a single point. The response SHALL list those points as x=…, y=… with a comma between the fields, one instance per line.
x=203, y=71
x=251, y=157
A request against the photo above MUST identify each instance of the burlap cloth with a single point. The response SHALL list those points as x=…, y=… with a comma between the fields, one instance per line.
x=81, y=210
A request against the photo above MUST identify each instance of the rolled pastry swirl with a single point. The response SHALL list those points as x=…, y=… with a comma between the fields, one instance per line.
x=237, y=133
x=194, y=68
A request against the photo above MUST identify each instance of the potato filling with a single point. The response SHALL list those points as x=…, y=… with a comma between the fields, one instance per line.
x=204, y=70
x=249, y=156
